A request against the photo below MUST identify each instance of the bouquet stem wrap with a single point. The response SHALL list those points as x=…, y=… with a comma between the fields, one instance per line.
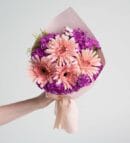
x=66, y=112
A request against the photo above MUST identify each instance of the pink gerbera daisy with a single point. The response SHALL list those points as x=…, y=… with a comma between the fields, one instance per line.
x=62, y=49
x=67, y=74
x=89, y=62
x=40, y=70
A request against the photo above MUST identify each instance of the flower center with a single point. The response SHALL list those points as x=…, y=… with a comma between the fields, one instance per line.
x=65, y=74
x=43, y=70
x=62, y=49
x=87, y=63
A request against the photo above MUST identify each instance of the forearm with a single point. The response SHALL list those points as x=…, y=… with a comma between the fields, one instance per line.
x=15, y=110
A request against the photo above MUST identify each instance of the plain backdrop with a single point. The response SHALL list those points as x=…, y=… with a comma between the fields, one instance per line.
x=105, y=109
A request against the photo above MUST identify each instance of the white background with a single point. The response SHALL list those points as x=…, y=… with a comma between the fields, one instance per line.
x=105, y=109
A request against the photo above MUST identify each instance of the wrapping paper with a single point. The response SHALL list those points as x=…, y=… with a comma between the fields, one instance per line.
x=66, y=110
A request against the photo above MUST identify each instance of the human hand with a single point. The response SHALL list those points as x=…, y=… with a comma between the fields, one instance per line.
x=13, y=111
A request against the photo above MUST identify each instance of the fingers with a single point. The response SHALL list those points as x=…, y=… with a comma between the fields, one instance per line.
x=43, y=100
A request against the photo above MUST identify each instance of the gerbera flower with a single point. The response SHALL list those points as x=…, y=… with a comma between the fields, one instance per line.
x=40, y=70
x=62, y=49
x=89, y=62
x=67, y=75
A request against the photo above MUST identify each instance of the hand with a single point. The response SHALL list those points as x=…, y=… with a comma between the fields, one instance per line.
x=13, y=111
x=43, y=101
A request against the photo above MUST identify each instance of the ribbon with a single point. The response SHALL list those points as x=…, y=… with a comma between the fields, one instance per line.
x=66, y=113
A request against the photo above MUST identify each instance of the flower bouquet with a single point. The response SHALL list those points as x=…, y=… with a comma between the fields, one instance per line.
x=64, y=62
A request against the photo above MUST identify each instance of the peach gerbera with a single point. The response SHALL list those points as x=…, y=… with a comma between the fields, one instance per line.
x=67, y=74
x=89, y=62
x=40, y=70
x=62, y=49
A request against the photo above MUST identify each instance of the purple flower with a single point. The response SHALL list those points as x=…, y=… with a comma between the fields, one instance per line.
x=40, y=50
x=83, y=80
x=84, y=40
x=45, y=39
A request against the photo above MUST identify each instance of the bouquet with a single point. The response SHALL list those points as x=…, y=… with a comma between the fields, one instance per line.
x=63, y=62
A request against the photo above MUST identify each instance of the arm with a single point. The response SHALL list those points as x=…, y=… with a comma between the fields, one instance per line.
x=13, y=111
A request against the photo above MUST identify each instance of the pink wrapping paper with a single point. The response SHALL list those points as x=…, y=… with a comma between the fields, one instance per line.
x=65, y=108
